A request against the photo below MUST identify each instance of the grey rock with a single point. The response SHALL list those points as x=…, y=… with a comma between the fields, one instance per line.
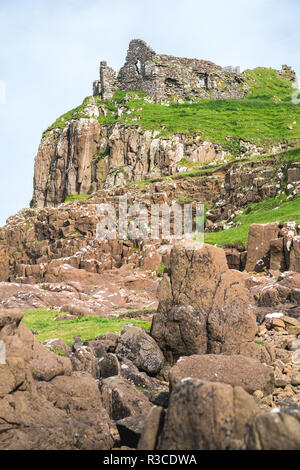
x=277, y=430
x=109, y=366
x=207, y=416
x=137, y=346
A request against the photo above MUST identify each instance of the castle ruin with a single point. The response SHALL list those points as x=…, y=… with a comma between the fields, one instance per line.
x=163, y=76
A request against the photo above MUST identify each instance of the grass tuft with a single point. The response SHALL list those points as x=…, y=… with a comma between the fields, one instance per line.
x=42, y=322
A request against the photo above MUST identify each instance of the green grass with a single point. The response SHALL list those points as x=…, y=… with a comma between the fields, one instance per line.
x=62, y=121
x=261, y=117
x=76, y=197
x=271, y=210
x=198, y=171
x=160, y=270
x=42, y=321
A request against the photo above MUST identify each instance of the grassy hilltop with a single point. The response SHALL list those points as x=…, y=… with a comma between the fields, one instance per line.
x=263, y=116
x=266, y=116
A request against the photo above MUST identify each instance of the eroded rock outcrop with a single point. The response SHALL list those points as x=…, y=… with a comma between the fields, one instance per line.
x=207, y=416
x=203, y=306
x=85, y=157
x=43, y=404
x=273, y=246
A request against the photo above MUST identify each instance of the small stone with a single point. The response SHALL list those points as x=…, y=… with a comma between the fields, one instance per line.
x=277, y=322
x=293, y=330
x=293, y=345
x=290, y=321
x=65, y=317
x=258, y=394
x=268, y=400
x=295, y=379
x=283, y=355
x=262, y=330
x=280, y=382
x=278, y=363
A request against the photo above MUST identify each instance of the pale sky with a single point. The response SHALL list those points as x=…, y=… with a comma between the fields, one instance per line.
x=50, y=53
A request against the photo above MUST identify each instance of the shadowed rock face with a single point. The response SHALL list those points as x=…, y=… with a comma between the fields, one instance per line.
x=203, y=306
x=277, y=430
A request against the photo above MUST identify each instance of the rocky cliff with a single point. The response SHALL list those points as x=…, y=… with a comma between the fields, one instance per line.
x=158, y=343
x=128, y=134
x=85, y=157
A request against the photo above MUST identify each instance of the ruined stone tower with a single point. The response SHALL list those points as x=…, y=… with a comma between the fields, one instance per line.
x=163, y=76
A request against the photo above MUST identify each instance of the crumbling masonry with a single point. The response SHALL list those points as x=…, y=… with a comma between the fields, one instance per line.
x=163, y=76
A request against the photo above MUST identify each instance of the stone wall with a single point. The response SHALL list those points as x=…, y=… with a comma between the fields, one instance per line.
x=163, y=76
x=107, y=80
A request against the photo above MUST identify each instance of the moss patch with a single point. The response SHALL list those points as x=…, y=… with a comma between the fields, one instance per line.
x=76, y=197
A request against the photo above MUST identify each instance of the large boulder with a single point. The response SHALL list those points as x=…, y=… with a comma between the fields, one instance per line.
x=259, y=244
x=140, y=348
x=276, y=430
x=43, y=404
x=122, y=399
x=204, y=307
x=78, y=396
x=46, y=365
x=207, y=416
x=235, y=370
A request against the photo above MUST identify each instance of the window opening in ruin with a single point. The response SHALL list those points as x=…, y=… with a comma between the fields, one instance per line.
x=138, y=67
x=171, y=81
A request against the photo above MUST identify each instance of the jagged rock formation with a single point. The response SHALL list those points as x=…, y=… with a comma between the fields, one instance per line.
x=98, y=394
x=43, y=403
x=274, y=246
x=162, y=76
x=204, y=376
x=85, y=157
x=36, y=241
x=203, y=306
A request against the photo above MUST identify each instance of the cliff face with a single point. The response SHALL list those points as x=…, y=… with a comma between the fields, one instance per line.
x=151, y=121
x=86, y=156
x=36, y=241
